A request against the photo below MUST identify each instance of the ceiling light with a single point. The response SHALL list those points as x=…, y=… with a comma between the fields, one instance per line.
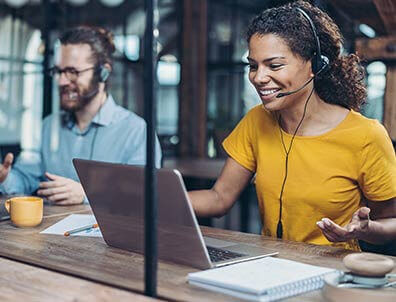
x=77, y=2
x=16, y=3
x=367, y=30
x=112, y=2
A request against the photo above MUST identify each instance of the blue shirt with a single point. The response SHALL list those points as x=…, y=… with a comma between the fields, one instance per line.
x=115, y=135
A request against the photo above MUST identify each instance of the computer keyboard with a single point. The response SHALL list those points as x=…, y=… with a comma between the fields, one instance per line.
x=217, y=254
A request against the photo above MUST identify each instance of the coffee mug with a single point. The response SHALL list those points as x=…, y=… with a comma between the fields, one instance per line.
x=25, y=211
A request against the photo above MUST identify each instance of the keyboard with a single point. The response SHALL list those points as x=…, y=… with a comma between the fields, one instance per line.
x=217, y=255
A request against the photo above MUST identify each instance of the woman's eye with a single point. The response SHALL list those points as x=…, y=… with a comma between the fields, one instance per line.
x=276, y=66
x=252, y=67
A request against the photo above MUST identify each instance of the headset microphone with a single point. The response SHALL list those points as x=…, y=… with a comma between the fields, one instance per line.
x=319, y=63
x=282, y=94
x=103, y=73
x=90, y=94
x=325, y=63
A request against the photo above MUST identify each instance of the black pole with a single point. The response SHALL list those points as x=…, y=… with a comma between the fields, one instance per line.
x=150, y=221
x=45, y=36
x=12, y=53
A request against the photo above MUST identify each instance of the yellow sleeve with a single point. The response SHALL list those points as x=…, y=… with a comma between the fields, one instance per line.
x=377, y=177
x=239, y=144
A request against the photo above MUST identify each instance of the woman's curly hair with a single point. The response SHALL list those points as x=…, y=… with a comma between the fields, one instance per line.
x=342, y=82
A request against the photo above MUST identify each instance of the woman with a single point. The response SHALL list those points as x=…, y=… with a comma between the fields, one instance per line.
x=320, y=166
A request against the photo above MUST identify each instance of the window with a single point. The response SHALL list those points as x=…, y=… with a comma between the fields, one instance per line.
x=376, y=81
x=20, y=85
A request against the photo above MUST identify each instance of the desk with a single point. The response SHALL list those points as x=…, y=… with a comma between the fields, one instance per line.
x=91, y=259
x=22, y=282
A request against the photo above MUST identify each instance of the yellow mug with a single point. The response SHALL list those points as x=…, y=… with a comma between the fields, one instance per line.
x=25, y=211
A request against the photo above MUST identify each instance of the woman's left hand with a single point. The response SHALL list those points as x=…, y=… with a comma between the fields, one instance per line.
x=356, y=228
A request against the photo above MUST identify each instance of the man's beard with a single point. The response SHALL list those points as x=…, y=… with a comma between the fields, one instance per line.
x=75, y=99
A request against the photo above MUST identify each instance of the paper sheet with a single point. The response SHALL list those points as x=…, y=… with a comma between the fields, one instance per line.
x=74, y=221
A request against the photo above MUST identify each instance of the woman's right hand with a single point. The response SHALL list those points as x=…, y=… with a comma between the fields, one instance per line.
x=6, y=166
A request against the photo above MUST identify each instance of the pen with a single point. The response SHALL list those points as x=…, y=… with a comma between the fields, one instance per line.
x=84, y=228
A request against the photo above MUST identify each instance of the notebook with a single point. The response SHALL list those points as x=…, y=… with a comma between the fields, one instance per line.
x=266, y=279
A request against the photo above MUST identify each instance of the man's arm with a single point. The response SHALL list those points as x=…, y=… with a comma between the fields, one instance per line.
x=61, y=190
x=219, y=199
x=22, y=178
x=5, y=168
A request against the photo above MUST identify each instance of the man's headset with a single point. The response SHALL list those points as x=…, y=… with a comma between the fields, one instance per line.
x=319, y=62
x=104, y=73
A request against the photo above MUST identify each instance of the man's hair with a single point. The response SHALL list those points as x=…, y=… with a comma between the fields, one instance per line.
x=99, y=39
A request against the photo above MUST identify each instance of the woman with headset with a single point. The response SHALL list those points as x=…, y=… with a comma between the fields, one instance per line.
x=324, y=173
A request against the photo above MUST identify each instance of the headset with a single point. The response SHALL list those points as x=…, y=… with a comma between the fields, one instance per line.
x=319, y=63
x=104, y=73
x=101, y=75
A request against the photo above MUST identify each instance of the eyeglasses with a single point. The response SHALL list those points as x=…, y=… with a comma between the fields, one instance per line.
x=71, y=74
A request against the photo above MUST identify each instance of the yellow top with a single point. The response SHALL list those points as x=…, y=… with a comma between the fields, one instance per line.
x=326, y=173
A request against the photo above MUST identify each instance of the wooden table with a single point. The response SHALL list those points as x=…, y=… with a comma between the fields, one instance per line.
x=22, y=282
x=91, y=259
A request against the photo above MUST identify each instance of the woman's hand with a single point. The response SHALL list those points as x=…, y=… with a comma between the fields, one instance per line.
x=356, y=229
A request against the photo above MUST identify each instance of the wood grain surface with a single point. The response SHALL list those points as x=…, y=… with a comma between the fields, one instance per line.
x=90, y=258
x=22, y=282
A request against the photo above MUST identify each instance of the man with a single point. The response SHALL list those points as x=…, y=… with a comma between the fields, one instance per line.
x=91, y=125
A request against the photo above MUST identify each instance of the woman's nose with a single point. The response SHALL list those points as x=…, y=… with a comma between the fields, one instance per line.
x=261, y=76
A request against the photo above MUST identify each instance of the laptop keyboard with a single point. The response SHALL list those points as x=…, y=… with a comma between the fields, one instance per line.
x=217, y=255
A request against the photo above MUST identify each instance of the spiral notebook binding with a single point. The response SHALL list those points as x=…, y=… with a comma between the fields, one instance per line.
x=294, y=288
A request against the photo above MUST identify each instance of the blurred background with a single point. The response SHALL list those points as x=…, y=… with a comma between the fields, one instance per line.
x=203, y=89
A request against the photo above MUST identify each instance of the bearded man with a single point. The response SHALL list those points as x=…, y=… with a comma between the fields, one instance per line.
x=92, y=126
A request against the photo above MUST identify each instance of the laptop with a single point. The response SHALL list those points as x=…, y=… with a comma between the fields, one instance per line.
x=4, y=215
x=116, y=196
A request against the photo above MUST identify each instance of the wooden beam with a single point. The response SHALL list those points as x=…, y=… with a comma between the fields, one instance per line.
x=192, y=105
x=361, y=11
x=383, y=48
x=390, y=101
x=387, y=11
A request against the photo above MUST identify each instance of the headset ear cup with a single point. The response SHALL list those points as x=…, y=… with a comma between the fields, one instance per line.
x=316, y=62
x=319, y=64
x=324, y=64
x=325, y=61
x=104, y=74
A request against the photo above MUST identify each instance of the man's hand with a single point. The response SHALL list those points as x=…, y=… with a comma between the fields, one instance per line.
x=61, y=190
x=6, y=166
x=356, y=228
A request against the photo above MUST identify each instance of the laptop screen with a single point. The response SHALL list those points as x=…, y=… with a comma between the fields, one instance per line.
x=116, y=196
